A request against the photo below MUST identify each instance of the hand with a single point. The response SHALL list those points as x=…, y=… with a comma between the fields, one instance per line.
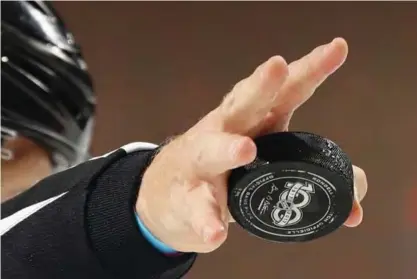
x=183, y=197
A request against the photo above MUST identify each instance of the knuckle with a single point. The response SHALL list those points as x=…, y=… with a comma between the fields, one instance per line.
x=194, y=149
x=228, y=103
x=191, y=183
x=199, y=158
x=241, y=84
x=308, y=71
x=307, y=76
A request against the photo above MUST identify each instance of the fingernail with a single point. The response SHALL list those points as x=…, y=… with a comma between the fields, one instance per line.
x=261, y=74
x=243, y=149
x=356, y=194
x=235, y=147
x=262, y=70
x=356, y=216
x=334, y=40
x=209, y=233
x=328, y=46
x=259, y=71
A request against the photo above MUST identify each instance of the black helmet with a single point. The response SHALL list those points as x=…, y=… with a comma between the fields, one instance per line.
x=46, y=91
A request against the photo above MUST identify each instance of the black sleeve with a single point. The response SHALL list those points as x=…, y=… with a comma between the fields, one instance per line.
x=80, y=223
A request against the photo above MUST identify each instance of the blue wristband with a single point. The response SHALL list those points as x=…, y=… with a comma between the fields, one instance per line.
x=161, y=247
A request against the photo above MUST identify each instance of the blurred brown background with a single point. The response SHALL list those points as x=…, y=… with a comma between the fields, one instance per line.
x=158, y=67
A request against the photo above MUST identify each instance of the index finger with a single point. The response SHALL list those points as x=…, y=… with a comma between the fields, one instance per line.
x=252, y=98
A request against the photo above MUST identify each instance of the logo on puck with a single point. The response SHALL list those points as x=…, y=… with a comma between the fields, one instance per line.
x=290, y=204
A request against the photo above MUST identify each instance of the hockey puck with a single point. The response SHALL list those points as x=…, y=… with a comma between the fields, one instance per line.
x=299, y=188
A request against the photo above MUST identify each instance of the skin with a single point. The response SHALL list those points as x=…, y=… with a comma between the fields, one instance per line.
x=30, y=164
x=186, y=207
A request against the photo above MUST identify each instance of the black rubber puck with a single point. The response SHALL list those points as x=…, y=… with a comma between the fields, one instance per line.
x=299, y=188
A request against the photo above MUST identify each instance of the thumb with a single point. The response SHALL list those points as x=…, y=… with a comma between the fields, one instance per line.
x=205, y=218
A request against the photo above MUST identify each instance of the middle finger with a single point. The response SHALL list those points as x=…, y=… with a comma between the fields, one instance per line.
x=305, y=75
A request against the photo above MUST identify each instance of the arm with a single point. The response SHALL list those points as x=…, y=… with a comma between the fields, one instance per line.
x=80, y=223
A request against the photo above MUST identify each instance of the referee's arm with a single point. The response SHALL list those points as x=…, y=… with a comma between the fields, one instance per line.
x=80, y=223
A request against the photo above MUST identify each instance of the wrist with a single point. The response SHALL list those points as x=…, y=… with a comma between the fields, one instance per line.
x=149, y=230
x=156, y=216
x=159, y=245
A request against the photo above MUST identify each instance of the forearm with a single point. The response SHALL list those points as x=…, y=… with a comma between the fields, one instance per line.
x=86, y=228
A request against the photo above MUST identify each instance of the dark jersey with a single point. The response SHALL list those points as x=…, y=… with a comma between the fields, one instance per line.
x=80, y=223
